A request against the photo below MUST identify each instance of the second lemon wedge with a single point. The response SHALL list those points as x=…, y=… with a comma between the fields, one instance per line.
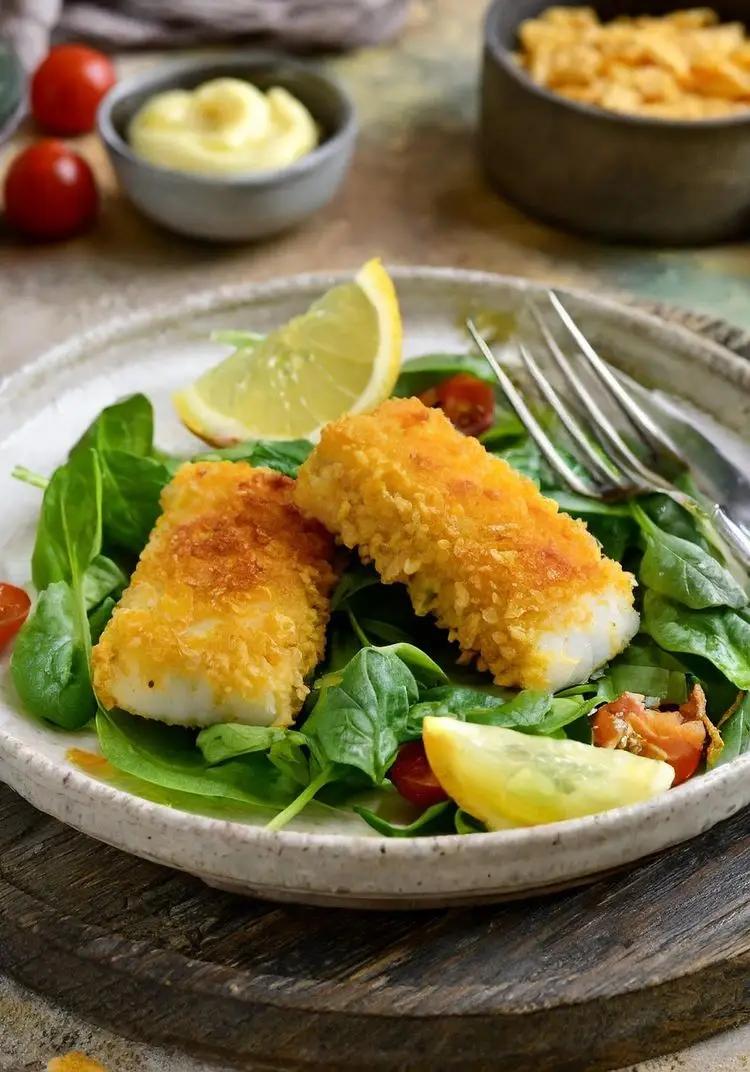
x=504, y=777
x=342, y=355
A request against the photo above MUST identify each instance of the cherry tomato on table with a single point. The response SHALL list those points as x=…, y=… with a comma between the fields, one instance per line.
x=14, y=609
x=413, y=778
x=67, y=87
x=50, y=191
x=467, y=401
x=677, y=737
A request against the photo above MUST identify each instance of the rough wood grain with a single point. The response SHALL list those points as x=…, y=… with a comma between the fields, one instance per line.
x=633, y=966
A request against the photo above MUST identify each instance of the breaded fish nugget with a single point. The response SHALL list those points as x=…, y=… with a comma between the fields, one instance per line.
x=521, y=587
x=227, y=609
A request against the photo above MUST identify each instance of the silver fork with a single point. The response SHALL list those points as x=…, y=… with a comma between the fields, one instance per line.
x=618, y=473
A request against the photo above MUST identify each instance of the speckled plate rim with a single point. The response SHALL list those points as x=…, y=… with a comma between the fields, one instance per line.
x=349, y=869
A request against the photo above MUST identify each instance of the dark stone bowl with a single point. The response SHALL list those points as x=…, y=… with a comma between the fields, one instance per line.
x=604, y=174
x=234, y=208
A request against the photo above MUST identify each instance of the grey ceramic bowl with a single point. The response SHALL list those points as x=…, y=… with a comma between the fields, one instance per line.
x=238, y=207
x=600, y=173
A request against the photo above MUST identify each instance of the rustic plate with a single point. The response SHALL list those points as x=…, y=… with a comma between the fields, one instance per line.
x=45, y=406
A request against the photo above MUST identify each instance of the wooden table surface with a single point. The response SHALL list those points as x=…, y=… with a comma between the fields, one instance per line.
x=414, y=196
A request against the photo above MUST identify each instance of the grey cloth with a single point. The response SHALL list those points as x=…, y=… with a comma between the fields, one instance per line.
x=116, y=24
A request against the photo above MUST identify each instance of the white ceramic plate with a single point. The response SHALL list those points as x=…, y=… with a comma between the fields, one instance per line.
x=43, y=409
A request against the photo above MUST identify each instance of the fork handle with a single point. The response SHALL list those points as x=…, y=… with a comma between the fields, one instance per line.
x=735, y=535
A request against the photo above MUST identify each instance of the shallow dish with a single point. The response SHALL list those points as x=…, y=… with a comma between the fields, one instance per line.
x=238, y=207
x=47, y=404
x=615, y=176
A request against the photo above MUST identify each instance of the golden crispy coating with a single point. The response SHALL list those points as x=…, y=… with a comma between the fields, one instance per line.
x=227, y=609
x=515, y=582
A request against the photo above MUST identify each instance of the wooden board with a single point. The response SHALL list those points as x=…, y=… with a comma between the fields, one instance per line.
x=633, y=966
x=636, y=965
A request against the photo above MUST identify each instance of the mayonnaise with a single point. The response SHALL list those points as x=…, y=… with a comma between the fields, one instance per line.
x=224, y=127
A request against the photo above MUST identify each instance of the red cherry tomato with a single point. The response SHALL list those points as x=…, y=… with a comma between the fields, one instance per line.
x=67, y=87
x=50, y=192
x=468, y=402
x=14, y=609
x=413, y=777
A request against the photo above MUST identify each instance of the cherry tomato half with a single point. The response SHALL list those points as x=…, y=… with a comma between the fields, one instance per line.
x=468, y=402
x=50, y=191
x=677, y=737
x=14, y=609
x=413, y=777
x=67, y=87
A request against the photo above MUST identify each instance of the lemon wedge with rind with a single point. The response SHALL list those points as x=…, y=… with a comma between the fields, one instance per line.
x=507, y=778
x=342, y=356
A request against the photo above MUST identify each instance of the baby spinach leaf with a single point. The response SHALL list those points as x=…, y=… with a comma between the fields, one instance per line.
x=102, y=578
x=132, y=487
x=451, y=701
x=427, y=673
x=285, y=456
x=673, y=518
x=230, y=740
x=356, y=578
x=467, y=824
x=504, y=431
x=49, y=665
x=127, y=425
x=682, y=570
x=420, y=373
x=360, y=722
x=99, y=617
x=722, y=635
x=735, y=732
x=526, y=709
x=167, y=756
x=288, y=756
x=69, y=532
x=435, y=820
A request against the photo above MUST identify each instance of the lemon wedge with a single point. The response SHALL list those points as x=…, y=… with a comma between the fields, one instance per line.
x=342, y=356
x=508, y=778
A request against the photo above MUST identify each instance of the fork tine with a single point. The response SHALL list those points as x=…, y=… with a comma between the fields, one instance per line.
x=642, y=422
x=631, y=465
x=602, y=471
x=529, y=421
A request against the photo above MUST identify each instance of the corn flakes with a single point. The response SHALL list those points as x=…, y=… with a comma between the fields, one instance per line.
x=685, y=65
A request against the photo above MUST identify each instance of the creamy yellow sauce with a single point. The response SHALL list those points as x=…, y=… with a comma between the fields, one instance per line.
x=224, y=127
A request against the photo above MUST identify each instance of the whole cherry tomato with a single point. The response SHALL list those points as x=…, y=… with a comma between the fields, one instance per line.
x=50, y=191
x=412, y=776
x=678, y=737
x=468, y=402
x=67, y=87
x=14, y=609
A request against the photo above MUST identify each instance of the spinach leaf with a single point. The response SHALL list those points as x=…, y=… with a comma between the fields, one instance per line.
x=99, y=618
x=467, y=824
x=230, y=740
x=682, y=570
x=534, y=712
x=356, y=579
x=360, y=722
x=525, y=458
x=285, y=456
x=645, y=668
x=427, y=673
x=167, y=756
x=435, y=820
x=50, y=661
x=419, y=373
x=288, y=756
x=69, y=533
x=102, y=578
x=132, y=487
x=735, y=732
x=451, y=701
x=722, y=635
x=673, y=518
x=127, y=425
x=507, y=427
